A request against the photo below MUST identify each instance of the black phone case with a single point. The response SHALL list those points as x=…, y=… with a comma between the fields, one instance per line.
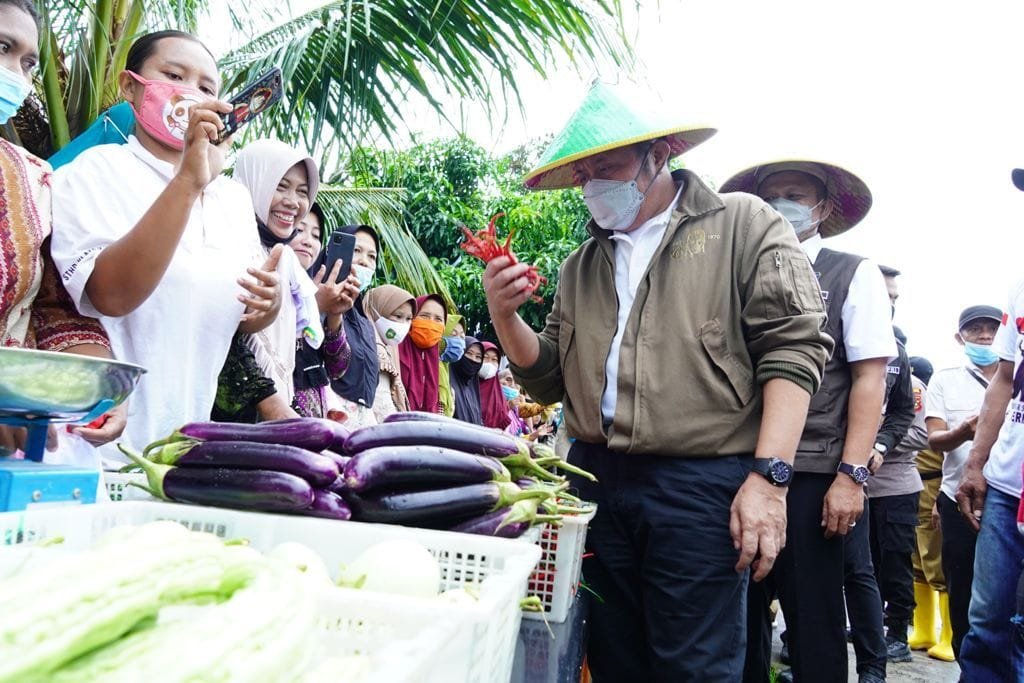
x=257, y=97
x=341, y=247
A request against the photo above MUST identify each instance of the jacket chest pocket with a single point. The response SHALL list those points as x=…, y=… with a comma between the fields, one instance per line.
x=788, y=286
x=566, y=336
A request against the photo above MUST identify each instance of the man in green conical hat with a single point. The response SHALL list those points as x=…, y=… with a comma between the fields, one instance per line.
x=685, y=342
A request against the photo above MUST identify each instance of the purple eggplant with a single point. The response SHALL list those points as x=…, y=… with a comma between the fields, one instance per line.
x=396, y=467
x=339, y=460
x=457, y=436
x=338, y=485
x=453, y=503
x=423, y=416
x=329, y=505
x=317, y=469
x=309, y=433
x=493, y=524
x=259, y=490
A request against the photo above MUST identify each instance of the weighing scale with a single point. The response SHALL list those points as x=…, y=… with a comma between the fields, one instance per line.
x=38, y=388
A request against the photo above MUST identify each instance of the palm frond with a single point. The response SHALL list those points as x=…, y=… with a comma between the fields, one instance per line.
x=402, y=258
x=350, y=67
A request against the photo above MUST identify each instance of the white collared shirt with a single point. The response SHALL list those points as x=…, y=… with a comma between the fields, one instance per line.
x=955, y=394
x=182, y=332
x=633, y=253
x=867, y=311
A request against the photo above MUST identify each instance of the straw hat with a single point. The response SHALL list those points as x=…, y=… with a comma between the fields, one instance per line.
x=608, y=119
x=850, y=197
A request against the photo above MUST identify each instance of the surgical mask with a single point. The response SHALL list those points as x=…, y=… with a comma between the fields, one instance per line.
x=614, y=204
x=511, y=393
x=164, y=111
x=488, y=371
x=454, y=347
x=13, y=91
x=426, y=334
x=798, y=215
x=980, y=354
x=365, y=276
x=391, y=331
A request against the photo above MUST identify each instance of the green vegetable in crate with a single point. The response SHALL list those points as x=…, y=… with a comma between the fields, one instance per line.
x=264, y=633
x=398, y=566
x=79, y=602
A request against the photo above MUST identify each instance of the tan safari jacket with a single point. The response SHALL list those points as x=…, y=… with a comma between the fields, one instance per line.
x=728, y=302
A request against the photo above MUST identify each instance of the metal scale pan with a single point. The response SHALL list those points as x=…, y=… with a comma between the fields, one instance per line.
x=41, y=387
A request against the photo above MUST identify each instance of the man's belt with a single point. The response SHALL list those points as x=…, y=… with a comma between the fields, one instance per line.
x=925, y=476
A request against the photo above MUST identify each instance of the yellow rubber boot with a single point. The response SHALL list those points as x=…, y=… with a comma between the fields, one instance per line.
x=944, y=648
x=923, y=636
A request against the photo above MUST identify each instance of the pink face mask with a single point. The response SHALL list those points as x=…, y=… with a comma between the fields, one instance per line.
x=164, y=110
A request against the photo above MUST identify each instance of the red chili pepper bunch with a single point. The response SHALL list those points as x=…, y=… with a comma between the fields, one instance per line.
x=485, y=246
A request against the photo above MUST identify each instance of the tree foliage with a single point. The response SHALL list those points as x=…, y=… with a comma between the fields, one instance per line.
x=451, y=183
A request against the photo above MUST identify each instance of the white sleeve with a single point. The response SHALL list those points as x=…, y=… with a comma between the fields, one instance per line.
x=934, y=399
x=1005, y=343
x=867, y=316
x=83, y=223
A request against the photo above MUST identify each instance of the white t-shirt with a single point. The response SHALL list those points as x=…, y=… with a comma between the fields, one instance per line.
x=633, y=253
x=953, y=396
x=867, y=312
x=1003, y=470
x=182, y=332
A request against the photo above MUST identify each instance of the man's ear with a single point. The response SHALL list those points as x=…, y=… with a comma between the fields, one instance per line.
x=660, y=152
x=826, y=209
x=959, y=339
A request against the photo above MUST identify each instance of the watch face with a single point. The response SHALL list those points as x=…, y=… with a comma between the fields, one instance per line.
x=861, y=474
x=780, y=471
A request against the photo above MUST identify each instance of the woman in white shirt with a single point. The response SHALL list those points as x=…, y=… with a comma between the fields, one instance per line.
x=153, y=241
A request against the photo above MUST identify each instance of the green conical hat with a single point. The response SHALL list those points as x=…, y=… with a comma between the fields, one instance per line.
x=608, y=120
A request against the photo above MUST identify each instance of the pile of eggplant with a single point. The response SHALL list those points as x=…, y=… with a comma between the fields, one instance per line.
x=427, y=470
x=287, y=466
x=415, y=469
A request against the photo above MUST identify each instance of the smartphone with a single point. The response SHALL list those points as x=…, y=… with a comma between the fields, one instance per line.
x=340, y=247
x=257, y=97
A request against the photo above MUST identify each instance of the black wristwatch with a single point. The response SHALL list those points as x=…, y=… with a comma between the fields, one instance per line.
x=777, y=472
x=858, y=473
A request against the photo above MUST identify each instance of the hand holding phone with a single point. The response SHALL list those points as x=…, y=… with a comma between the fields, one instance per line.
x=257, y=97
x=340, y=247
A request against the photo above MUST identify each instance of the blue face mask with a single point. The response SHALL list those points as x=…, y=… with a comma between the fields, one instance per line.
x=454, y=347
x=13, y=91
x=511, y=393
x=365, y=276
x=979, y=354
x=798, y=215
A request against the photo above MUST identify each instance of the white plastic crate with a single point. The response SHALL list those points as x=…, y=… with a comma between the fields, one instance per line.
x=483, y=643
x=119, y=488
x=557, y=576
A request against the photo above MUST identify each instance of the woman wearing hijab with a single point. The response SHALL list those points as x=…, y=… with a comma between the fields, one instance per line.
x=493, y=405
x=354, y=393
x=466, y=383
x=391, y=309
x=420, y=356
x=315, y=368
x=453, y=345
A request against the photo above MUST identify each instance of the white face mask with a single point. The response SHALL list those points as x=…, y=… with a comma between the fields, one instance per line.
x=798, y=215
x=614, y=204
x=488, y=370
x=390, y=331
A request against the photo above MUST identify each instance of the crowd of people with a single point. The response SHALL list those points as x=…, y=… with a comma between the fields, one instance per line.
x=755, y=424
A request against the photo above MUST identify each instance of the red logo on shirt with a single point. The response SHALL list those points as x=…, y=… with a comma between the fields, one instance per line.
x=918, y=403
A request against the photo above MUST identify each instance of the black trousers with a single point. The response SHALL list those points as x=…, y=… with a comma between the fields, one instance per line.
x=808, y=577
x=958, y=541
x=670, y=603
x=863, y=602
x=893, y=540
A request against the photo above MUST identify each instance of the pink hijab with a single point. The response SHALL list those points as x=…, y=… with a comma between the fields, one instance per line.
x=420, y=367
x=493, y=406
